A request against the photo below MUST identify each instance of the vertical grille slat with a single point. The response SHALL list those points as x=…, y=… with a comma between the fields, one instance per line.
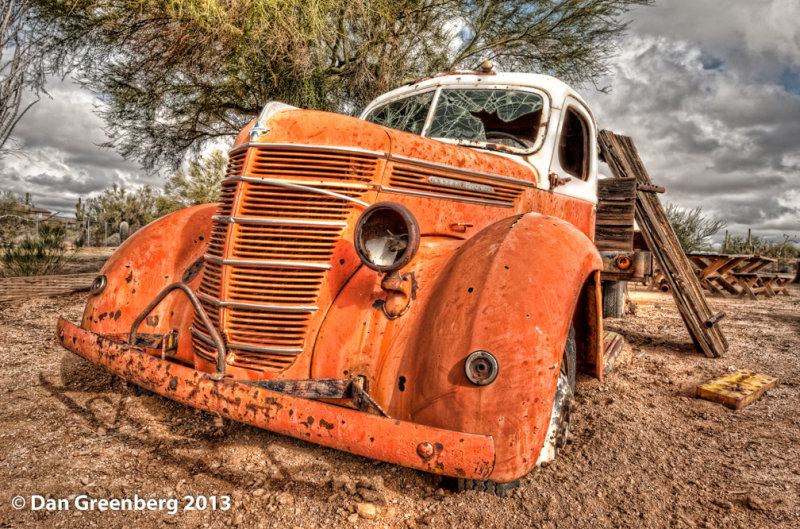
x=264, y=339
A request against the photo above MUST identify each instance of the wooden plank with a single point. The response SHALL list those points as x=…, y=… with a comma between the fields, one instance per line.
x=737, y=390
x=612, y=347
x=28, y=286
x=622, y=158
x=615, y=213
x=617, y=189
x=613, y=239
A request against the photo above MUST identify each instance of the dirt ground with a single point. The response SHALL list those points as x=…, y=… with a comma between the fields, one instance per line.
x=643, y=452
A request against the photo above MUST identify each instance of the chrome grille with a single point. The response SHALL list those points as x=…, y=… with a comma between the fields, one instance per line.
x=270, y=248
x=469, y=186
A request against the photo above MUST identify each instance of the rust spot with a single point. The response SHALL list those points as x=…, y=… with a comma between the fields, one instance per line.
x=152, y=321
x=309, y=421
x=173, y=383
x=102, y=316
x=401, y=385
x=325, y=424
x=129, y=277
x=117, y=314
x=439, y=447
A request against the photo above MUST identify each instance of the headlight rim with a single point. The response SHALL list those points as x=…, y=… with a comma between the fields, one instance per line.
x=413, y=236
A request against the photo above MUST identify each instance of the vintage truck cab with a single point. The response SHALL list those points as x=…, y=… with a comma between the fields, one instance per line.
x=418, y=286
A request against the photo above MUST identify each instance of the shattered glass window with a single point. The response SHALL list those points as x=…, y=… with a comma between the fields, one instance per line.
x=506, y=117
x=407, y=115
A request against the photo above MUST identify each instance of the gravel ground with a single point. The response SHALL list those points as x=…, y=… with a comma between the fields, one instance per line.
x=643, y=451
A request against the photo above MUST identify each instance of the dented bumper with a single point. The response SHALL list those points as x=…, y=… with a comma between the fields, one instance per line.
x=408, y=444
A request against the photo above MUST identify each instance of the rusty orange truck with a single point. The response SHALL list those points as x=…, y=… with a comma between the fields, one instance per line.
x=417, y=286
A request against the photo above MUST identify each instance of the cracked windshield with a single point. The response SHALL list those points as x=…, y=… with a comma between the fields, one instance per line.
x=407, y=115
x=505, y=117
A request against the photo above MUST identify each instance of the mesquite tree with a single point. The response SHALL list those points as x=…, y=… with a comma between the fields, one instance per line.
x=174, y=74
x=20, y=70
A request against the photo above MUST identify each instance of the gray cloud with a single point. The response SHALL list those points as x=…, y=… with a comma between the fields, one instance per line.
x=703, y=89
x=60, y=159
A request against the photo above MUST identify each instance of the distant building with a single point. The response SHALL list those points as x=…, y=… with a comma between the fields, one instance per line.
x=39, y=213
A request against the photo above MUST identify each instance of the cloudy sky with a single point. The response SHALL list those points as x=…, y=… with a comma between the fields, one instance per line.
x=709, y=91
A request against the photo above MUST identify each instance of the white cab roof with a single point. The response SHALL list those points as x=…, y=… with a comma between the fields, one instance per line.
x=556, y=89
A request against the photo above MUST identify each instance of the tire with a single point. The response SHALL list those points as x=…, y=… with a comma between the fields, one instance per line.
x=569, y=360
x=488, y=486
x=558, y=430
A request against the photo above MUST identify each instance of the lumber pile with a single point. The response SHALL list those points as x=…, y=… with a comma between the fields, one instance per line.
x=623, y=160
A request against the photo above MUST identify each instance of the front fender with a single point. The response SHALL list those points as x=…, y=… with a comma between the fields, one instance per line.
x=142, y=266
x=511, y=290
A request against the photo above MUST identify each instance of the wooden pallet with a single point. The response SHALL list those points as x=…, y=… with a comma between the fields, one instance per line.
x=28, y=286
x=623, y=160
x=738, y=389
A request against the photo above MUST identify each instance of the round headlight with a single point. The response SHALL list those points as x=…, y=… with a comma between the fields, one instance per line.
x=386, y=237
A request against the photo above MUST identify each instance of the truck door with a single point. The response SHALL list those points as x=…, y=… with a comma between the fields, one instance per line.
x=574, y=160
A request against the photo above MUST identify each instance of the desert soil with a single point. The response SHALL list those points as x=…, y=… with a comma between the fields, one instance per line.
x=644, y=452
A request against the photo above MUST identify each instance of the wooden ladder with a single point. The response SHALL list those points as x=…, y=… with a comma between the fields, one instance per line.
x=623, y=160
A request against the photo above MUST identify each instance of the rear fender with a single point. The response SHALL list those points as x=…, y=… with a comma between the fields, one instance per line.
x=510, y=290
x=142, y=266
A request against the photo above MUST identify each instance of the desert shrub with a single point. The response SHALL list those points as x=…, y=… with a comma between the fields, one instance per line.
x=33, y=256
x=692, y=228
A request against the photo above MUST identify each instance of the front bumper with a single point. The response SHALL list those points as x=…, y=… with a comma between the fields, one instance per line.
x=447, y=452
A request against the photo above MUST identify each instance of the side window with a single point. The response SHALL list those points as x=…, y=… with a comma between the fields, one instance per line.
x=407, y=114
x=573, y=145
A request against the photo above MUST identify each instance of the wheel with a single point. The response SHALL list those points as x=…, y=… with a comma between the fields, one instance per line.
x=558, y=431
x=491, y=487
x=568, y=361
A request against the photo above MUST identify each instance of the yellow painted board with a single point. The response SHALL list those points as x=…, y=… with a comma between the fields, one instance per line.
x=737, y=389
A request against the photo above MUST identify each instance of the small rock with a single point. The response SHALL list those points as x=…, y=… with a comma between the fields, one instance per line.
x=353, y=518
x=755, y=504
x=722, y=504
x=84, y=481
x=284, y=498
x=366, y=510
x=374, y=483
x=343, y=483
x=439, y=492
x=258, y=492
x=370, y=495
x=101, y=431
